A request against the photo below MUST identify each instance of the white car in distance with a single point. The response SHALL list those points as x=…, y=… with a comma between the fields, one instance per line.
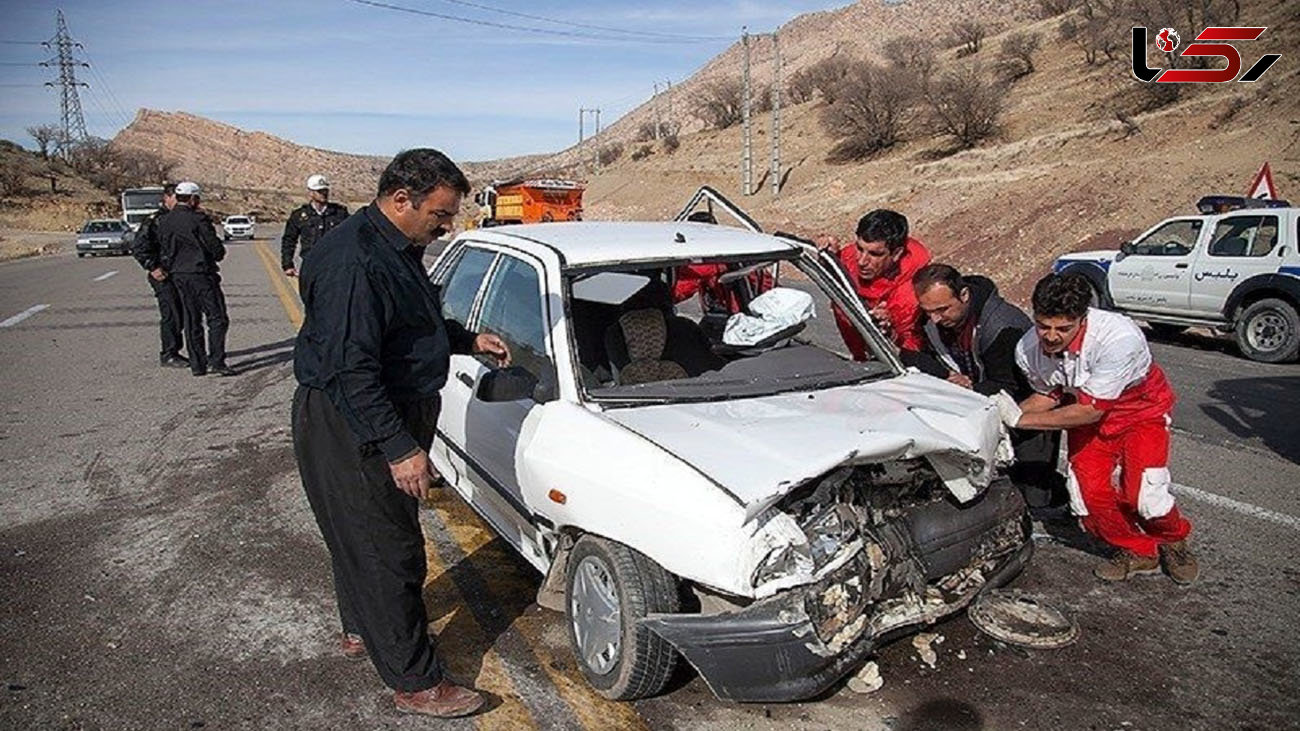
x=237, y=227
x=752, y=500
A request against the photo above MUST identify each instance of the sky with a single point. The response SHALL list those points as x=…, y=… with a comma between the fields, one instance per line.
x=348, y=75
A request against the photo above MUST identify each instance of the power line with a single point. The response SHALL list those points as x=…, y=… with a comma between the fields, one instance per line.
x=506, y=26
x=574, y=24
x=16, y=63
x=17, y=86
x=22, y=43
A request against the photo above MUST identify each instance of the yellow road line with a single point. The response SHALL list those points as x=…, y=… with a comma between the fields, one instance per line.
x=288, y=298
x=461, y=639
x=473, y=535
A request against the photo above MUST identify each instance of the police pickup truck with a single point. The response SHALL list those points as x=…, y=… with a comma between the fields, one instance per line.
x=1234, y=268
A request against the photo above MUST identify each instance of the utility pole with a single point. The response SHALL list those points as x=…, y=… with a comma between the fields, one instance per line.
x=74, y=122
x=597, y=120
x=747, y=154
x=776, y=116
x=658, y=117
x=582, y=114
x=668, y=97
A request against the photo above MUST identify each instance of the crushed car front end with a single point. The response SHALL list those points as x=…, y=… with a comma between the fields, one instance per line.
x=892, y=550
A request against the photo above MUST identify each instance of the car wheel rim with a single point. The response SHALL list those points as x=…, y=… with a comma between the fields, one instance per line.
x=597, y=620
x=1267, y=331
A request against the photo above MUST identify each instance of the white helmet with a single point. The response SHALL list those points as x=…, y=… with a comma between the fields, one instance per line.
x=187, y=188
x=318, y=182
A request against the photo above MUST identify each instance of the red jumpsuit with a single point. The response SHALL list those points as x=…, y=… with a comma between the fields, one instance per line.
x=1108, y=366
x=894, y=291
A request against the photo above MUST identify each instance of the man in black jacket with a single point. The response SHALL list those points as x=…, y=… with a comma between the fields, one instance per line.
x=371, y=358
x=189, y=251
x=972, y=332
x=146, y=251
x=309, y=222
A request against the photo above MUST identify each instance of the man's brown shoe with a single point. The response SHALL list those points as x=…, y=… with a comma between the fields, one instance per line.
x=1126, y=564
x=444, y=700
x=353, y=647
x=1179, y=562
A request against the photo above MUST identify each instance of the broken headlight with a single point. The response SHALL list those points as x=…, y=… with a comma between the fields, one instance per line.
x=829, y=531
x=784, y=562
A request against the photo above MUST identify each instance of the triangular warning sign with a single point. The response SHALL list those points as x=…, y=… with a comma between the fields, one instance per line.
x=1263, y=186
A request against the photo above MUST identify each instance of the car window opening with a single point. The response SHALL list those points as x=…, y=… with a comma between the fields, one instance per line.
x=707, y=330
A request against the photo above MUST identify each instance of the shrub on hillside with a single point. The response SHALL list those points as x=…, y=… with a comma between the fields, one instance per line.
x=968, y=36
x=872, y=107
x=111, y=169
x=609, y=154
x=671, y=143
x=821, y=78
x=912, y=52
x=1017, y=58
x=966, y=104
x=642, y=152
x=719, y=104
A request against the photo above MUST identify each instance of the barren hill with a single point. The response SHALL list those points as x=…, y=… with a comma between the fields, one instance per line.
x=256, y=170
x=1064, y=173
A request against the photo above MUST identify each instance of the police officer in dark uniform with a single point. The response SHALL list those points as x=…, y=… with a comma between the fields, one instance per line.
x=190, y=250
x=145, y=250
x=309, y=222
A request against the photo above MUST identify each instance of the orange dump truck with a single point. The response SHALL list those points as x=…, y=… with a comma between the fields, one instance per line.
x=529, y=201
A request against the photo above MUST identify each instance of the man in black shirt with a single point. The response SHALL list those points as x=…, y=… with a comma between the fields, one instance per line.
x=972, y=332
x=371, y=359
x=145, y=249
x=189, y=251
x=309, y=222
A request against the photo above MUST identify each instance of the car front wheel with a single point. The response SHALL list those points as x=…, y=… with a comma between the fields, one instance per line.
x=1269, y=331
x=609, y=588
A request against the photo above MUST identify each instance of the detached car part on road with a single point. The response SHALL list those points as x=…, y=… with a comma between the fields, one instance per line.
x=104, y=236
x=769, y=509
x=1236, y=271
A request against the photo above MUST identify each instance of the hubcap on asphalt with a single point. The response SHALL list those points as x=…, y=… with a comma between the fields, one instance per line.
x=1267, y=331
x=597, y=621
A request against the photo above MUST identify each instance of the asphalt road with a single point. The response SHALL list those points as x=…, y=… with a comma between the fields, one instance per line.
x=159, y=567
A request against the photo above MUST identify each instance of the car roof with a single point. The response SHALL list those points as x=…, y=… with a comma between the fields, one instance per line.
x=587, y=243
x=104, y=220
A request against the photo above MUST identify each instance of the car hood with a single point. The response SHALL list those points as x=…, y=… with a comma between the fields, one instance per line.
x=760, y=449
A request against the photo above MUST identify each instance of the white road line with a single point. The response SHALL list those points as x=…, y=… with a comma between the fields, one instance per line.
x=1254, y=511
x=23, y=315
x=105, y=275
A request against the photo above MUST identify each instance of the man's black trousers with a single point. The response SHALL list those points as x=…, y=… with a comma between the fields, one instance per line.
x=170, y=316
x=201, y=299
x=1035, y=469
x=372, y=530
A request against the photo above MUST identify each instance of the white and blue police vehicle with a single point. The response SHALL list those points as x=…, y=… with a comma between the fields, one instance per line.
x=1233, y=268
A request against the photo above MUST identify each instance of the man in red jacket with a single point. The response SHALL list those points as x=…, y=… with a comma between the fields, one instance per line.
x=881, y=264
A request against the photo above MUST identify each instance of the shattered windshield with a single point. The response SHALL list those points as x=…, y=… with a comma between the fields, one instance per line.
x=711, y=329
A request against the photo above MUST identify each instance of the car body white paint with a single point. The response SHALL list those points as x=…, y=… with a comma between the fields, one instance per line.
x=689, y=485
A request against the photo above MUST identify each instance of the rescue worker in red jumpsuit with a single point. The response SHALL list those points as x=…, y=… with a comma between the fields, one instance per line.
x=881, y=264
x=1093, y=376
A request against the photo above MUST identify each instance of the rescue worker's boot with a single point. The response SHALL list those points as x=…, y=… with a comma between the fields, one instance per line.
x=444, y=700
x=1125, y=565
x=1180, y=563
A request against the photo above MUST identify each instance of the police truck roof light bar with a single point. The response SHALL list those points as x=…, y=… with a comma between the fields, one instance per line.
x=1224, y=203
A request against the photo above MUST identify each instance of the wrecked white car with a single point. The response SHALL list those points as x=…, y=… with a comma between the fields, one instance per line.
x=728, y=488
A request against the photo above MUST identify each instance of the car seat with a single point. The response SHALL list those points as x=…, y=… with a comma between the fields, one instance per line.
x=682, y=342
x=645, y=335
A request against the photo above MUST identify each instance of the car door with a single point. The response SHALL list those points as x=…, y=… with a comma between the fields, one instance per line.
x=1155, y=274
x=1240, y=247
x=460, y=277
x=514, y=308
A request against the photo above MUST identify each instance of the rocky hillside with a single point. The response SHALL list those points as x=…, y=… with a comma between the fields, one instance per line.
x=256, y=171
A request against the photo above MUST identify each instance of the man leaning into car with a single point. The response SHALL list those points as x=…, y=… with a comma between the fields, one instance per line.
x=371, y=359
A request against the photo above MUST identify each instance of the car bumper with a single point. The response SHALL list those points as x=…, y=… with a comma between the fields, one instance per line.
x=773, y=651
x=239, y=234
x=118, y=248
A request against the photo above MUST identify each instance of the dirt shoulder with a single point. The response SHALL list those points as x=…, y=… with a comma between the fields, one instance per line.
x=19, y=244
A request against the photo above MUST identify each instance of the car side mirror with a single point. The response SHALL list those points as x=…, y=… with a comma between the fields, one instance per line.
x=1128, y=248
x=514, y=383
